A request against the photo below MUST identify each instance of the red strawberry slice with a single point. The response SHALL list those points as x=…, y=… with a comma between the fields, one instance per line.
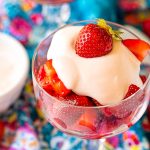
x=77, y=100
x=138, y=47
x=49, y=80
x=146, y=26
x=93, y=41
x=131, y=90
x=61, y=123
x=65, y=115
x=96, y=102
x=106, y=110
x=49, y=69
x=88, y=119
x=124, y=109
x=143, y=78
x=59, y=87
x=41, y=73
x=46, y=85
x=2, y=128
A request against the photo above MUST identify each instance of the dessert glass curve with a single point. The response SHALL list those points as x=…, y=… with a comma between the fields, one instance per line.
x=89, y=122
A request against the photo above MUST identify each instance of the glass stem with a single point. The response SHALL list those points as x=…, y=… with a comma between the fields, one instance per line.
x=102, y=144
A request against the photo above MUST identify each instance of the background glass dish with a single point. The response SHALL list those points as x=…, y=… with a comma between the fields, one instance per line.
x=89, y=122
x=55, y=12
x=52, y=2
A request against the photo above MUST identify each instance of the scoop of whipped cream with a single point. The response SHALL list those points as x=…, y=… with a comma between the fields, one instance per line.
x=104, y=78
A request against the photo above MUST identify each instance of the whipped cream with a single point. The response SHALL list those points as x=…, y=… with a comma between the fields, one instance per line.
x=104, y=78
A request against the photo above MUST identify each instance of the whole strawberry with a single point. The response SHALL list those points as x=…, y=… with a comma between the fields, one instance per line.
x=93, y=41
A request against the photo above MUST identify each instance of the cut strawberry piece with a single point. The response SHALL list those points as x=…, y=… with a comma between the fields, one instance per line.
x=96, y=102
x=67, y=114
x=121, y=111
x=87, y=123
x=138, y=47
x=88, y=119
x=77, y=100
x=107, y=112
x=41, y=73
x=112, y=123
x=143, y=78
x=49, y=80
x=93, y=41
x=132, y=89
x=59, y=87
x=2, y=129
x=61, y=123
x=91, y=120
x=46, y=85
x=146, y=26
x=126, y=108
x=49, y=69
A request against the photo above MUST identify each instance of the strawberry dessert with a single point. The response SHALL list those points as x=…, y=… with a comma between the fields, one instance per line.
x=92, y=67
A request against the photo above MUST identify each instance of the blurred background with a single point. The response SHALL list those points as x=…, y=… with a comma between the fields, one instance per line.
x=22, y=126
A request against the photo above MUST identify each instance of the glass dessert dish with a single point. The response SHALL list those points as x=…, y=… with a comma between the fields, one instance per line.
x=56, y=12
x=52, y=2
x=89, y=122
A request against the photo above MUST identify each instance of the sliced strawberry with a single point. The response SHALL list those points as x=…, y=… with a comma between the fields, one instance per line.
x=49, y=80
x=128, y=107
x=121, y=111
x=93, y=41
x=131, y=90
x=138, y=47
x=46, y=85
x=77, y=100
x=143, y=78
x=2, y=128
x=112, y=123
x=61, y=123
x=41, y=73
x=107, y=111
x=124, y=109
x=59, y=87
x=89, y=119
x=96, y=102
x=86, y=123
x=146, y=26
x=64, y=114
x=104, y=110
x=49, y=69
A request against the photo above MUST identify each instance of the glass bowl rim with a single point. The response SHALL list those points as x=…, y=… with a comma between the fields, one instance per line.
x=70, y=105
